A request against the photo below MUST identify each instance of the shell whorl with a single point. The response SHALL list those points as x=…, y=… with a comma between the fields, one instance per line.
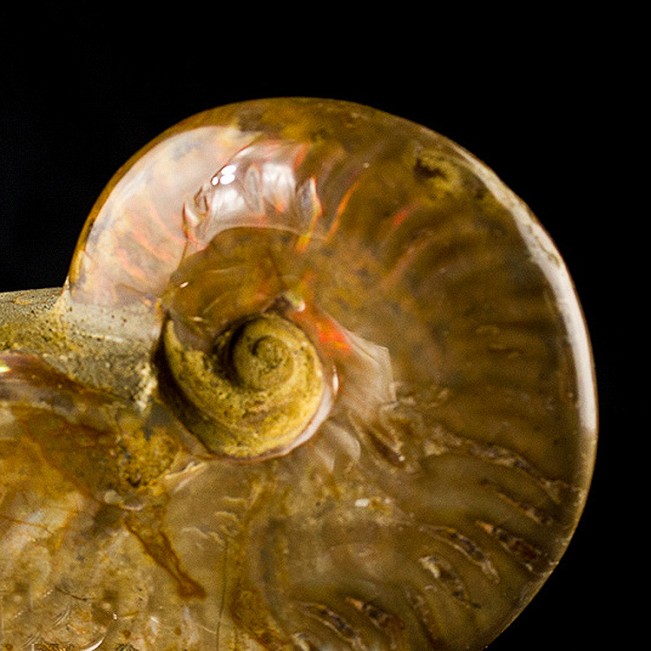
x=260, y=389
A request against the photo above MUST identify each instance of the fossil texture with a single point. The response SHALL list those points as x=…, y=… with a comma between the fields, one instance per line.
x=317, y=380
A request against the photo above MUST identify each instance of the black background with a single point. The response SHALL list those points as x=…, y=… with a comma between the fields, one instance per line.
x=527, y=94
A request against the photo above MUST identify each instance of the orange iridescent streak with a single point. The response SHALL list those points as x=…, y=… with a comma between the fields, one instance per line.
x=400, y=216
x=326, y=330
x=331, y=337
x=279, y=204
x=341, y=208
x=299, y=156
x=141, y=239
x=405, y=261
x=188, y=228
x=317, y=211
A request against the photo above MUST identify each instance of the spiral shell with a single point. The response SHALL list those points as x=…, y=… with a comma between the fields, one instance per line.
x=338, y=394
x=260, y=391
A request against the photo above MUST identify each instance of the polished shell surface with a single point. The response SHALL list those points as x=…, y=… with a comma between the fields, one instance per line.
x=445, y=460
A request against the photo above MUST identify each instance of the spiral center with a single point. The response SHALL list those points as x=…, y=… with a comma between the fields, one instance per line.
x=261, y=363
x=260, y=389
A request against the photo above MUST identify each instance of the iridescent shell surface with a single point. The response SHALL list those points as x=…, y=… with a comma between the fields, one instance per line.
x=440, y=473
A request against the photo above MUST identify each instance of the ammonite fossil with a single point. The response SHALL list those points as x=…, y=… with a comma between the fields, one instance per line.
x=316, y=380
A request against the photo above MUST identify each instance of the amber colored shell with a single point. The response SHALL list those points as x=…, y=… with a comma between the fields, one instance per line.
x=438, y=485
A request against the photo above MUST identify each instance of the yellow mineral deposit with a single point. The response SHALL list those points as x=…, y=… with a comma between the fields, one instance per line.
x=316, y=380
